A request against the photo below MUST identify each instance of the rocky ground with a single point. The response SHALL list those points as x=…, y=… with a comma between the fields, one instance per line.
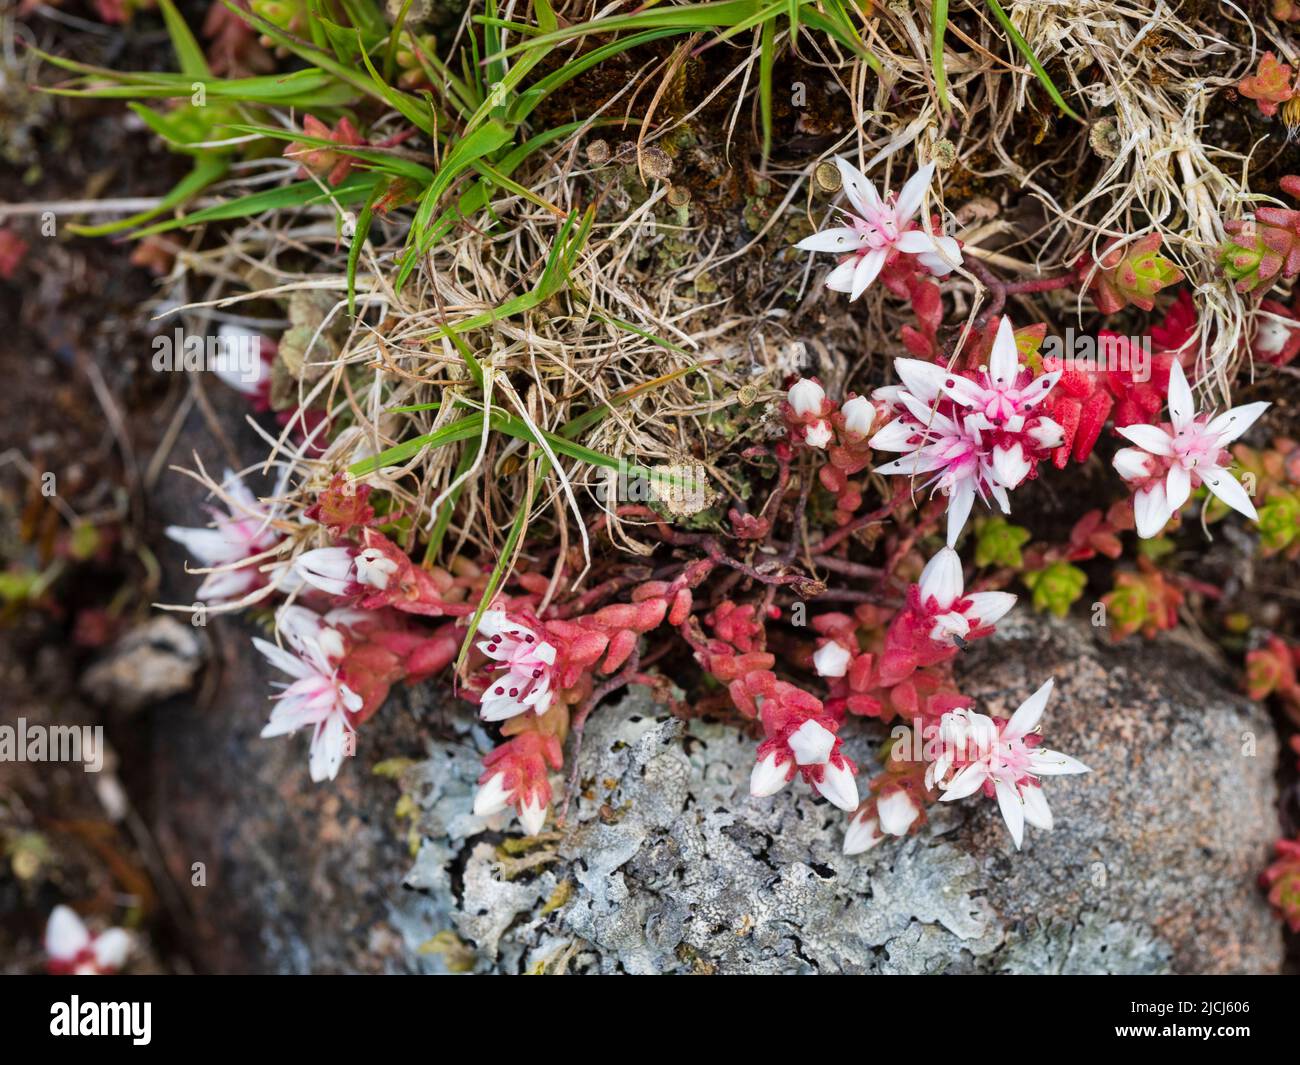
x=669, y=866
x=672, y=867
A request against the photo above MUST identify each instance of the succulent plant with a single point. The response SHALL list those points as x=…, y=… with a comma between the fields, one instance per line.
x=1132, y=275
x=1273, y=83
x=1262, y=249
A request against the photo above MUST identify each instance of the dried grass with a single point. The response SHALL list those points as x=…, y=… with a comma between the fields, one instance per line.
x=1140, y=65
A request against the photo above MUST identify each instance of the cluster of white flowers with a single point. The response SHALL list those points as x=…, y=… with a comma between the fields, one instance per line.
x=1170, y=460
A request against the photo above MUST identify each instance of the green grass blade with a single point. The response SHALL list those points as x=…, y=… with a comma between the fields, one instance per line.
x=378, y=160
x=766, y=57
x=300, y=194
x=1022, y=46
x=207, y=169
x=506, y=558
x=395, y=35
x=439, y=531
x=837, y=25
x=362, y=231
x=483, y=141
x=938, y=30
x=372, y=86
x=189, y=55
x=577, y=426
x=470, y=425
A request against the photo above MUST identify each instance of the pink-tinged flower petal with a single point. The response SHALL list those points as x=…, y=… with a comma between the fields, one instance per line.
x=861, y=835
x=112, y=949
x=959, y=504
x=374, y=568
x=811, y=743
x=239, y=361
x=948, y=625
x=1149, y=438
x=1232, y=423
x=1046, y=433
x=990, y=607
x=859, y=415
x=915, y=242
x=832, y=659
x=532, y=815
x=240, y=494
x=1001, y=497
x=942, y=579
x=967, y=782
x=1004, y=359
x=841, y=278
x=925, y=412
x=282, y=659
x=1151, y=510
x=917, y=462
x=1034, y=806
x=1272, y=335
x=1182, y=409
x=327, y=568
x=963, y=390
x=1046, y=763
x=226, y=584
x=1013, y=813
x=1010, y=465
x=290, y=714
x=861, y=192
x=1178, y=486
x=896, y=436
x=210, y=546
x=869, y=266
x=499, y=708
x=841, y=239
x=768, y=776
x=1229, y=490
x=311, y=639
x=492, y=797
x=945, y=258
x=1039, y=389
x=897, y=812
x=1133, y=464
x=66, y=935
x=328, y=748
x=913, y=193
x=818, y=434
x=1029, y=713
x=924, y=380
x=806, y=397
x=839, y=786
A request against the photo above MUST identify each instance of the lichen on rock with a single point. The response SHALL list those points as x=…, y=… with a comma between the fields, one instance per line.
x=667, y=864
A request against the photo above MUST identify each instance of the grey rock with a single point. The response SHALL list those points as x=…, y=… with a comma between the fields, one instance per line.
x=149, y=663
x=669, y=866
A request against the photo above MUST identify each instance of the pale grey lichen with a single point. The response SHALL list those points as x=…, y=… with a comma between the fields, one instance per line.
x=668, y=865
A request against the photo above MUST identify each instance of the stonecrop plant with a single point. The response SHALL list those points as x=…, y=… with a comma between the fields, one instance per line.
x=972, y=423
x=803, y=538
